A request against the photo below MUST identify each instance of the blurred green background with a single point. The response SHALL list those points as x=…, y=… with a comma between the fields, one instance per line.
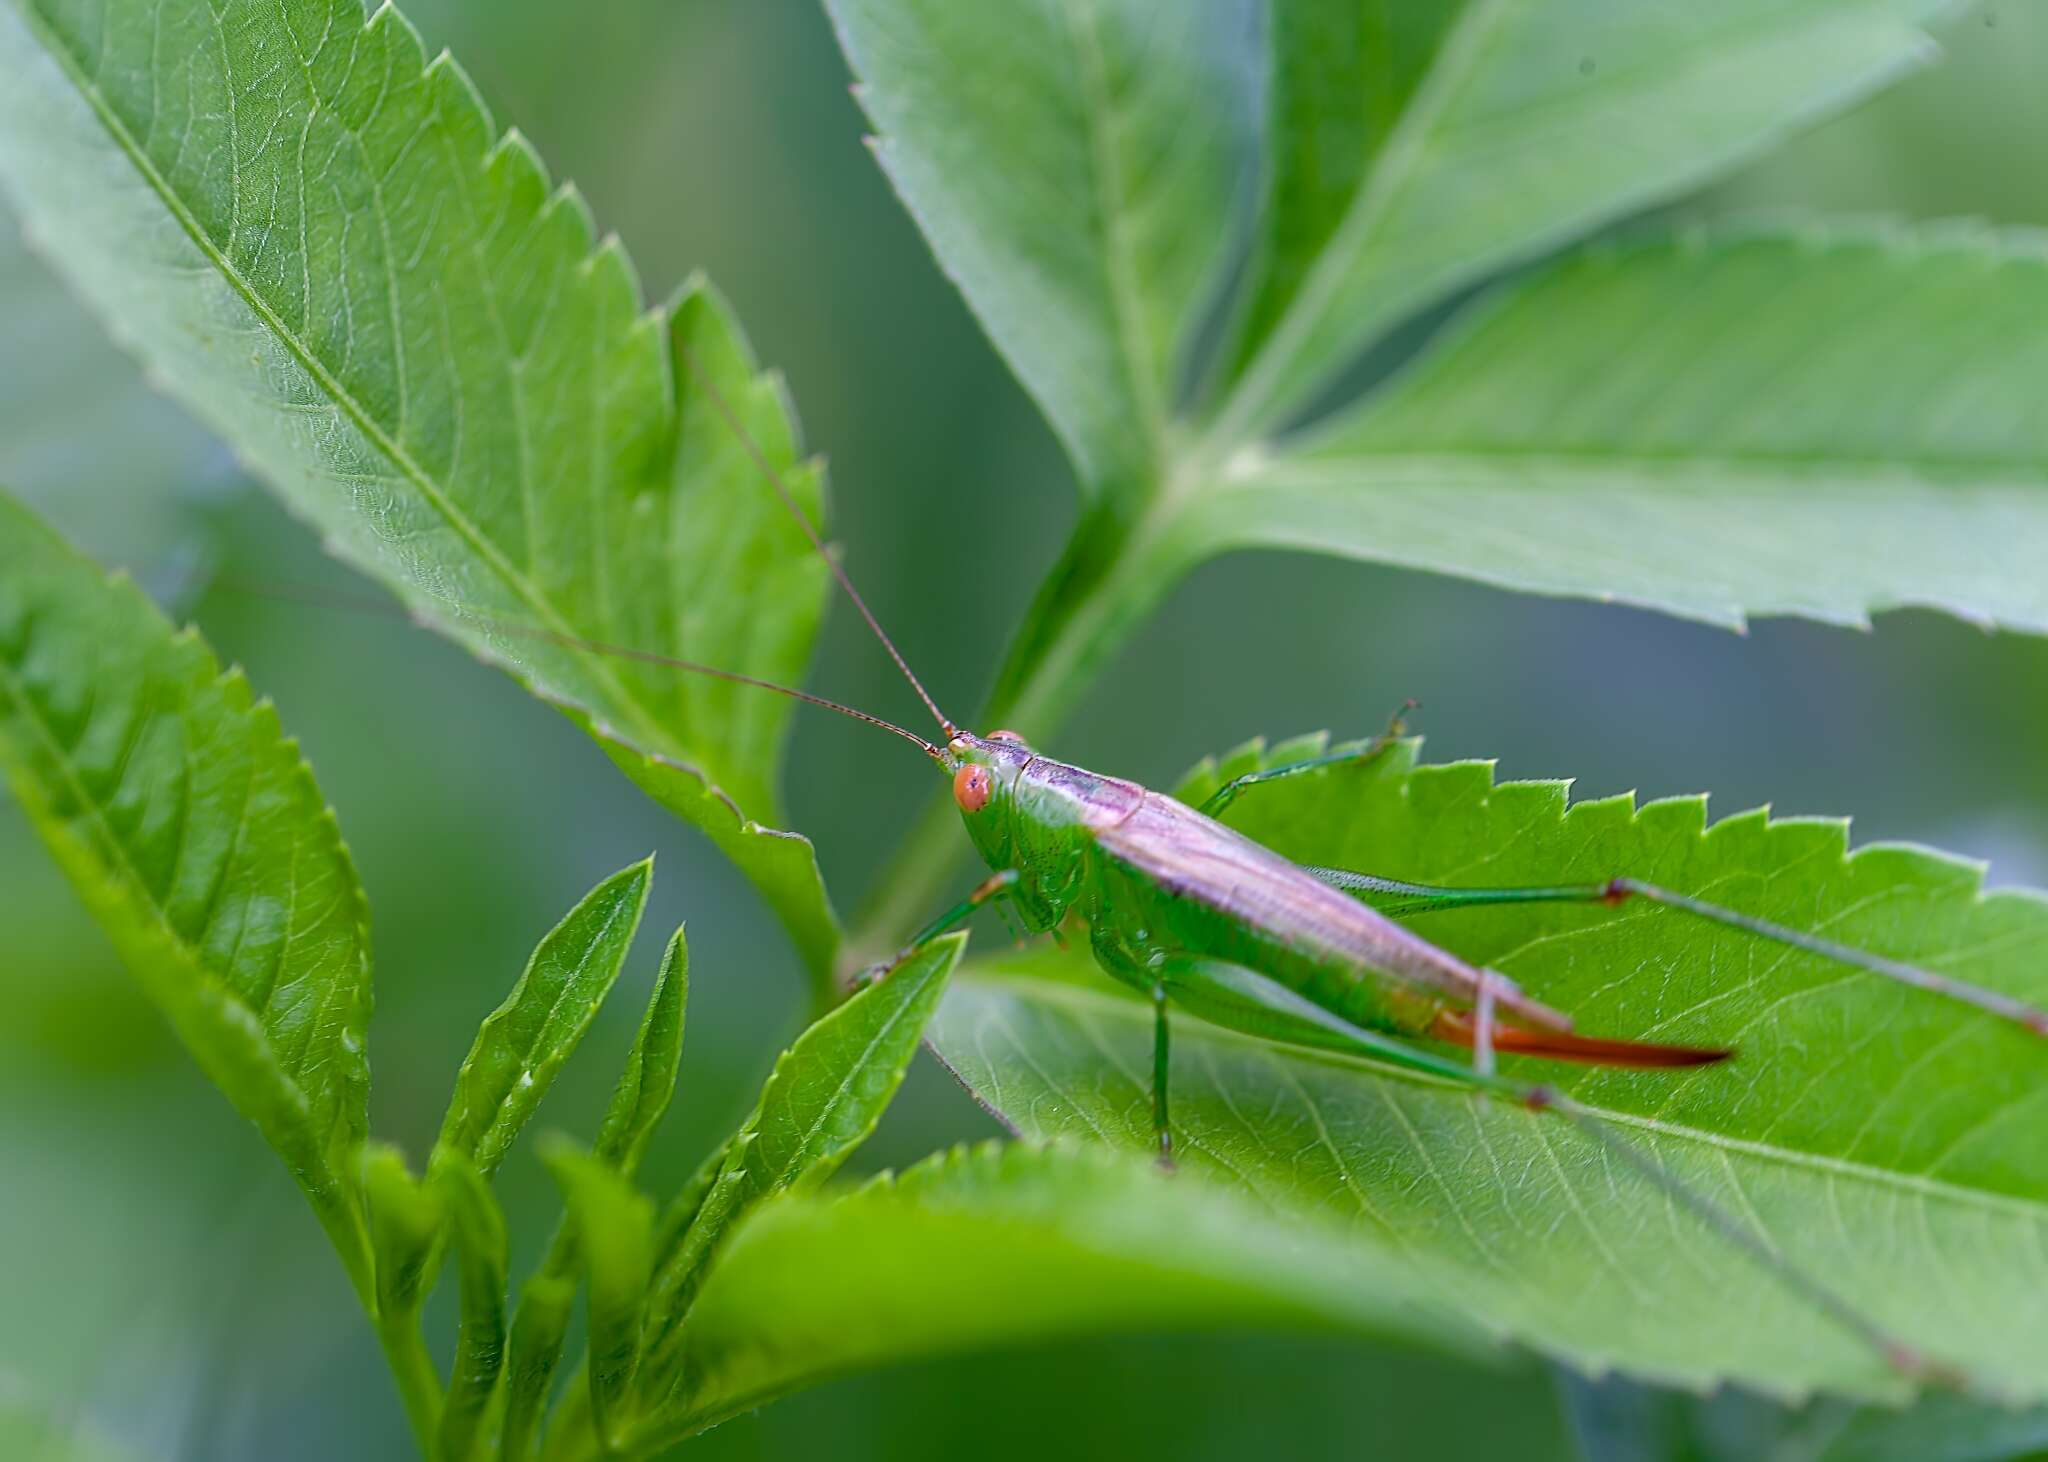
x=165, y=1286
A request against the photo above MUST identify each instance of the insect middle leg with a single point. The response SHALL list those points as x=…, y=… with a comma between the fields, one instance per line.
x=1162, y=1122
x=1147, y=973
x=1224, y=795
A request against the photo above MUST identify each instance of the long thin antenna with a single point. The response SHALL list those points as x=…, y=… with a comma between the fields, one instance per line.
x=760, y=460
x=361, y=604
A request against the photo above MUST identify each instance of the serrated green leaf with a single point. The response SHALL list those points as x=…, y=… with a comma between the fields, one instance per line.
x=783, y=865
x=681, y=1265
x=1018, y=1245
x=1073, y=164
x=1885, y=1141
x=638, y=1103
x=194, y=831
x=1472, y=135
x=1863, y=439
x=482, y=1258
x=1409, y=152
x=1339, y=78
x=319, y=242
x=524, y=1042
x=824, y=1097
x=535, y=1350
x=647, y=1083
x=407, y=1220
x=615, y=1237
x=681, y=1211
x=830, y=1088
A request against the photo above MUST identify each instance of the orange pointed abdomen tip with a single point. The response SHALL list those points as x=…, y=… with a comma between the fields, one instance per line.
x=1456, y=1027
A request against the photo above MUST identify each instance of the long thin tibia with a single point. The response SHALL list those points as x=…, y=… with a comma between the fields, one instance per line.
x=1162, y=1063
x=1226, y=794
x=1391, y=896
x=1901, y=1357
x=1241, y=999
x=992, y=887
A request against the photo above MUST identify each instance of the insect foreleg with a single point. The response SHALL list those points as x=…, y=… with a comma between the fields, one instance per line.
x=1224, y=795
x=992, y=887
x=1391, y=896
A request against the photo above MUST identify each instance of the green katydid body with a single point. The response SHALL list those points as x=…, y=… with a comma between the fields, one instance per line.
x=1166, y=891
x=1154, y=878
x=1181, y=906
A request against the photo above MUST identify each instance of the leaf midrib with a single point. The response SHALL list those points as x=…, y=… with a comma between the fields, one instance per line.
x=528, y=1067
x=1389, y=175
x=1055, y=992
x=493, y=557
x=1393, y=170
x=1110, y=192
x=132, y=877
x=805, y=1147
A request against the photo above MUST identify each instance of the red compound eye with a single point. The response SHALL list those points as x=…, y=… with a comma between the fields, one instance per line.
x=971, y=787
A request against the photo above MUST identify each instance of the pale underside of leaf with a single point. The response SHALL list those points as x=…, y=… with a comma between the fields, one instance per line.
x=314, y=239
x=1882, y=1140
x=1339, y=78
x=1534, y=123
x=1824, y=423
x=1078, y=191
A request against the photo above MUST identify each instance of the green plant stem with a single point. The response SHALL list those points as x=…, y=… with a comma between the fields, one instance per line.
x=1110, y=576
x=345, y=1229
x=571, y=1433
x=419, y=1384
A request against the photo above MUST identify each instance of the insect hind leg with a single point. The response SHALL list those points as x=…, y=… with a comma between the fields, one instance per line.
x=1395, y=897
x=1162, y=1123
x=1242, y=999
x=1483, y=1021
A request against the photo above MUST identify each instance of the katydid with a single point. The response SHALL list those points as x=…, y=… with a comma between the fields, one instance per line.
x=1196, y=916
x=1193, y=914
